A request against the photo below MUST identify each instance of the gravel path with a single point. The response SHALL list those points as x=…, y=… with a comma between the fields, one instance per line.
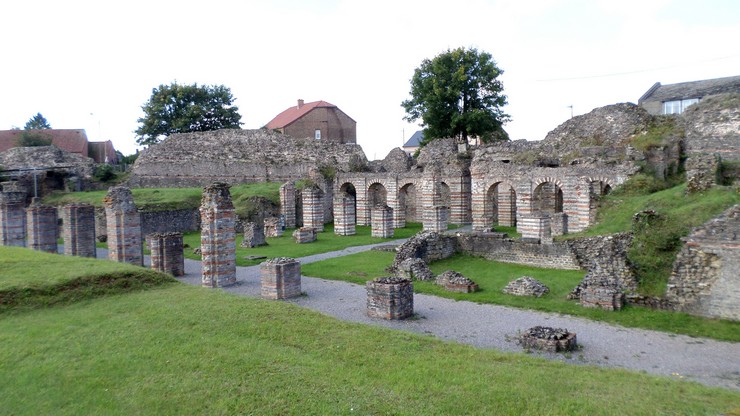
x=707, y=361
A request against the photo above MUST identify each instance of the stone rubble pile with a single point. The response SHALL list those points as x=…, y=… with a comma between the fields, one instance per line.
x=526, y=286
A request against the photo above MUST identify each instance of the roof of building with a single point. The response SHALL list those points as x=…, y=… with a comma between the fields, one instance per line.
x=294, y=113
x=693, y=89
x=70, y=140
x=103, y=152
x=415, y=139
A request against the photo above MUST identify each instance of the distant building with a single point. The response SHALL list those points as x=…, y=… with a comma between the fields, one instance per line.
x=69, y=140
x=674, y=98
x=319, y=119
x=413, y=143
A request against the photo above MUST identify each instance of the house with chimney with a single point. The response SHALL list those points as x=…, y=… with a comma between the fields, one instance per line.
x=318, y=120
x=674, y=98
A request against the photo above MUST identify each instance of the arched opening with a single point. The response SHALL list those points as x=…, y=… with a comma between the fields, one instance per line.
x=596, y=190
x=443, y=197
x=377, y=195
x=349, y=188
x=500, y=205
x=409, y=202
x=547, y=198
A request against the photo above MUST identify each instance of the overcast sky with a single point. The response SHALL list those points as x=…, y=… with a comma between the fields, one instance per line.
x=92, y=64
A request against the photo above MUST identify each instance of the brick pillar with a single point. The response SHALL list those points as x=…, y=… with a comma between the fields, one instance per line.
x=218, y=236
x=78, y=230
x=382, y=221
x=12, y=219
x=390, y=298
x=313, y=208
x=287, y=204
x=167, y=256
x=41, y=227
x=435, y=218
x=536, y=227
x=506, y=207
x=479, y=206
x=280, y=278
x=399, y=214
x=559, y=223
x=344, y=214
x=460, y=204
x=273, y=227
x=124, y=227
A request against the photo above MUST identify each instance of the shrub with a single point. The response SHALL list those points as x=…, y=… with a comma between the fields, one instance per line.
x=104, y=173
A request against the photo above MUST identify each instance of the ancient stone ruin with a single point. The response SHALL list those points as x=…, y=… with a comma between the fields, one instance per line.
x=453, y=281
x=313, y=208
x=218, y=236
x=12, y=218
x=41, y=224
x=124, y=227
x=78, y=230
x=382, y=222
x=544, y=338
x=526, y=286
x=287, y=204
x=390, y=298
x=167, y=253
x=274, y=227
x=280, y=278
x=345, y=217
x=414, y=269
x=304, y=235
x=254, y=235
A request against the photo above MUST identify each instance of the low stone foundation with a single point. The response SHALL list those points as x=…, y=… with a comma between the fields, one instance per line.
x=166, y=253
x=390, y=298
x=280, y=278
x=604, y=297
x=548, y=339
x=526, y=286
x=453, y=281
x=382, y=222
x=273, y=227
x=414, y=269
x=304, y=235
x=253, y=236
x=535, y=228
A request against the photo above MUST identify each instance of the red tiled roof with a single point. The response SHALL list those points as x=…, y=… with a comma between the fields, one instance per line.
x=70, y=140
x=294, y=113
x=103, y=152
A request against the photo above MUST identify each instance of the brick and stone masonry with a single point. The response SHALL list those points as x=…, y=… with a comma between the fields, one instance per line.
x=218, y=236
x=435, y=218
x=345, y=219
x=78, y=230
x=280, y=278
x=123, y=224
x=382, y=221
x=304, y=235
x=287, y=204
x=605, y=297
x=273, y=227
x=313, y=208
x=41, y=226
x=390, y=298
x=254, y=235
x=535, y=227
x=167, y=255
x=558, y=223
x=12, y=219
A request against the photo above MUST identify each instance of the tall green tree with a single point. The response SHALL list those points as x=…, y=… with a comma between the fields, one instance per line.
x=458, y=94
x=37, y=122
x=178, y=108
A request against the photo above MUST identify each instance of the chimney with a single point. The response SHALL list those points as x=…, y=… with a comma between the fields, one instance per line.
x=300, y=103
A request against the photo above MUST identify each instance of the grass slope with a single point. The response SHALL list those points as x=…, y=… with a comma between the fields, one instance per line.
x=187, y=350
x=492, y=277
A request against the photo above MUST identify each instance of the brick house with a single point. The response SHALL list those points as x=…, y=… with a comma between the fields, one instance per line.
x=319, y=119
x=69, y=140
x=674, y=98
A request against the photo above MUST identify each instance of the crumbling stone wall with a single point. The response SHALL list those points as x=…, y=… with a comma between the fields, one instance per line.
x=218, y=236
x=706, y=274
x=12, y=218
x=426, y=245
x=167, y=253
x=78, y=230
x=499, y=247
x=41, y=224
x=123, y=227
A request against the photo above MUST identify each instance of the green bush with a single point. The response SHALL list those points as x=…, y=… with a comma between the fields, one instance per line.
x=104, y=173
x=33, y=139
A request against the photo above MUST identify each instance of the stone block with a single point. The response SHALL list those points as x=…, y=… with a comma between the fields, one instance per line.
x=304, y=235
x=78, y=230
x=382, y=222
x=390, y=298
x=280, y=278
x=274, y=227
x=253, y=235
x=167, y=253
x=548, y=339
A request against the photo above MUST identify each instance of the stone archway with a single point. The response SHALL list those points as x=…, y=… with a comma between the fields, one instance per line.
x=547, y=198
x=444, y=196
x=500, y=205
x=376, y=195
x=597, y=188
x=409, y=202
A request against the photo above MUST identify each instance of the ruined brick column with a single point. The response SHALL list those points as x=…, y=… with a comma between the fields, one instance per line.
x=123, y=224
x=559, y=223
x=218, y=236
x=480, y=210
x=12, y=219
x=460, y=200
x=382, y=221
x=287, y=204
x=167, y=256
x=536, y=227
x=435, y=218
x=390, y=298
x=344, y=214
x=41, y=226
x=78, y=230
x=280, y=278
x=507, y=207
x=399, y=214
x=313, y=208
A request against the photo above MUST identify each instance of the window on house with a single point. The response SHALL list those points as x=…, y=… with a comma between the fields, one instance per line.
x=317, y=134
x=678, y=106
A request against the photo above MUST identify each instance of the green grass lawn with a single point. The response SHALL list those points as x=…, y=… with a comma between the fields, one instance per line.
x=492, y=277
x=179, y=349
x=285, y=246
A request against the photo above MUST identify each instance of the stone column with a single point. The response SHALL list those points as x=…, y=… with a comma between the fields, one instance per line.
x=287, y=204
x=559, y=223
x=382, y=221
x=536, y=227
x=480, y=210
x=280, y=278
x=390, y=298
x=344, y=214
x=460, y=204
x=12, y=219
x=435, y=218
x=167, y=256
x=78, y=230
x=399, y=214
x=41, y=226
x=124, y=227
x=218, y=236
x=506, y=207
x=313, y=208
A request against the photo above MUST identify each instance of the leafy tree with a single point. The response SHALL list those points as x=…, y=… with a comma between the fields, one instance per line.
x=458, y=94
x=33, y=139
x=37, y=122
x=186, y=108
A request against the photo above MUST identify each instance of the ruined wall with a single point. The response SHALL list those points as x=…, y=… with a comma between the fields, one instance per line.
x=713, y=126
x=499, y=247
x=180, y=220
x=706, y=274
